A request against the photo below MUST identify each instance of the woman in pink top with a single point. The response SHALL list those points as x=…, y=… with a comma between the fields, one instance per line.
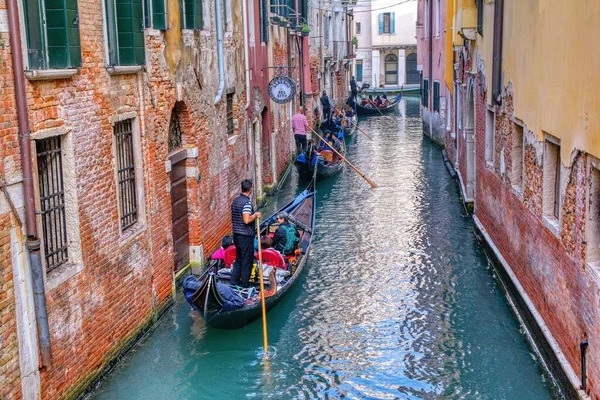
x=299, y=125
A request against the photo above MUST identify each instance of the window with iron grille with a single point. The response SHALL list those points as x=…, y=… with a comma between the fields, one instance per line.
x=52, y=201
x=174, y=132
x=230, y=114
x=126, y=173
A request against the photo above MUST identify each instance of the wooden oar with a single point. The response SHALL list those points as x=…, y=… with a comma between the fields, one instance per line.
x=358, y=171
x=356, y=126
x=262, y=291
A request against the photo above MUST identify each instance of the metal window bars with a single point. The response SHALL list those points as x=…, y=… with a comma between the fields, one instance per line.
x=230, y=127
x=52, y=201
x=126, y=174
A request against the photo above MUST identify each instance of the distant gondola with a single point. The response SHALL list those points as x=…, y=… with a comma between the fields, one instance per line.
x=348, y=125
x=329, y=163
x=203, y=293
x=362, y=110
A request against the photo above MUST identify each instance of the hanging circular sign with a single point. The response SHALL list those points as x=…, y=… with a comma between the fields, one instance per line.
x=282, y=89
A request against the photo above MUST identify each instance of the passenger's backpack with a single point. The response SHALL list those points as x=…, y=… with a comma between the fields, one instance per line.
x=290, y=236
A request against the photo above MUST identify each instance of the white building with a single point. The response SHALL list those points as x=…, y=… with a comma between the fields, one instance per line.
x=387, y=46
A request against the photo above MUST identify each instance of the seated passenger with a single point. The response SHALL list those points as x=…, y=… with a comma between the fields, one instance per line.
x=226, y=241
x=286, y=235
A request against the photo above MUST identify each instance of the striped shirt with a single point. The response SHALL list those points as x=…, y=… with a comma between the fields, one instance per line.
x=248, y=208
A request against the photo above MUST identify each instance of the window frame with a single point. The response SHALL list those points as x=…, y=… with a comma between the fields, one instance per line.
x=113, y=53
x=592, y=229
x=518, y=156
x=229, y=114
x=197, y=14
x=436, y=96
x=122, y=179
x=551, y=176
x=358, y=28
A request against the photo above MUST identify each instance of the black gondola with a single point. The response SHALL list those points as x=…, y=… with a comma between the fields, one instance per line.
x=362, y=110
x=307, y=162
x=203, y=292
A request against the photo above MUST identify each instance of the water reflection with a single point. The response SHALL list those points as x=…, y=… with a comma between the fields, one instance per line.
x=396, y=301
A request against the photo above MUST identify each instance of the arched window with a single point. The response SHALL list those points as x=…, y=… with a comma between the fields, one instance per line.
x=412, y=75
x=391, y=69
x=174, y=132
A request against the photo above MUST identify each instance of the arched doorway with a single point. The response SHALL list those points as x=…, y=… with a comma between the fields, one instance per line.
x=412, y=75
x=391, y=69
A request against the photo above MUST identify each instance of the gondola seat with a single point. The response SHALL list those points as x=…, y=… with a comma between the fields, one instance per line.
x=272, y=257
x=230, y=255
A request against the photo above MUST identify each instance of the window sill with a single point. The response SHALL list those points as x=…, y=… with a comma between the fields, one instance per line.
x=232, y=139
x=131, y=234
x=489, y=164
x=49, y=74
x=552, y=224
x=60, y=275
x=123, y=69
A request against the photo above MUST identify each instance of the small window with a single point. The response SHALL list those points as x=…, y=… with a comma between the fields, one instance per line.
x=490, y=136
x=480, y=17
x=230, y=127
x=174, y=132
x=52, y=201
x=359, y=70
x=191, y=14
x=458, y=107
x=593, y=222
x=437, y=18
x=52, y=30
x=391, y=69
x=125, y=31
x=386, y=23
x=358, y=29
x=425, y=93
x=551, y=179
x=426, y=19
x=518, y=157
x=264, y=21
x=436, y=96
x=326, y=28
x=126, y=173
x=155, y=14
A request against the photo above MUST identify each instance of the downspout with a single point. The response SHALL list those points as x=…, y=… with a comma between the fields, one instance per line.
x=32, y=242
x=219, y=18
x=430, y=85
x=497, y=53
x=246, y=63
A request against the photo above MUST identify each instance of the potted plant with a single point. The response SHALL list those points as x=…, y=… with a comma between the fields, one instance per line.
x=355, y=41
x=304, y=29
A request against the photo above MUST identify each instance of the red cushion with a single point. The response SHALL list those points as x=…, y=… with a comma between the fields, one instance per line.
x=230, y=254
x=272, y=257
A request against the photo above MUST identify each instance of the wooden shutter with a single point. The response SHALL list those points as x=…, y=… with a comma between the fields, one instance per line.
x=62, y=30
x=198, y=21
x=159, y=15
x=392, y=23
x=264, y=22
x=35, y=39
x=425, y=93
x=480, y=17
x=191, y=14
x=130, y=36
x=380, y=23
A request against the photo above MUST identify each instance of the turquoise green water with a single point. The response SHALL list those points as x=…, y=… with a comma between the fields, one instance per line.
x=397, y=301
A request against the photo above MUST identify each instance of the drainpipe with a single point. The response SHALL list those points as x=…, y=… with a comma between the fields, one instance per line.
x=32, y=242
x=246, y=63
x=430, y=85
x=497, y=52
x=219, y=18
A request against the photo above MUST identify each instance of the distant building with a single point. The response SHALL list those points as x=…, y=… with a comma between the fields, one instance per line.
x=386, y=55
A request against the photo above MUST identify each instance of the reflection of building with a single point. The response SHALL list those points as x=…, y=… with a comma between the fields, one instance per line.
x=387, y=46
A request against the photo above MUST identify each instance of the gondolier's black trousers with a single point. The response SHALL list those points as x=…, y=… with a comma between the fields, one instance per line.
x=300, y=143
x=244, y=257
x=326, y=113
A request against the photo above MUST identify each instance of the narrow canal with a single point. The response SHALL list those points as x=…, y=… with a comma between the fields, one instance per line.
x=397, y=300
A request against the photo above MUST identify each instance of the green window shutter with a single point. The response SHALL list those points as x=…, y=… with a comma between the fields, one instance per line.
x=62, y=29
x=191, y=14
x=425, y=93
x=436, y=96
x=159, y=15
x=198, y=21
x=130, y=35
x=35, y=39
x=264, y=22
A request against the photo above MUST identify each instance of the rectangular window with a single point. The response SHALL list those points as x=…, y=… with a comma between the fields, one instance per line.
x=426, y=19
x=230, y=127
x=191, y=14
x=551, y=179
x=437, y=18
x=125, y=31
x=386, y=23
x=126, y=173
x=518, y=157
x=358, y=29
x=326, y=28
x=480, y=17
x=490, y=136
x=593, y=222
x=458, y=108
x=264, y=21
x=52, y=201
x=436, y=96
x=52, y=30
x=359, y=70
x=425, y=93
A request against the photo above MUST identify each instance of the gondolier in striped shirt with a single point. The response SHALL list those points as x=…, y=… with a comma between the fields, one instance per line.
x=242, y=221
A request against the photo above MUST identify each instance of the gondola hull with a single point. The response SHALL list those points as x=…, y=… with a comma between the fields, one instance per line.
x=208, y=301
x=361, y=110
x=350, y=129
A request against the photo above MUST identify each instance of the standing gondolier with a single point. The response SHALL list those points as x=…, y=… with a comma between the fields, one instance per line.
x=326, y=103
x=353, y=89
x=242, y=218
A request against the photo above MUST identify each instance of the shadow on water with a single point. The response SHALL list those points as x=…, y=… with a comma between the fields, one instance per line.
x=397, y=300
